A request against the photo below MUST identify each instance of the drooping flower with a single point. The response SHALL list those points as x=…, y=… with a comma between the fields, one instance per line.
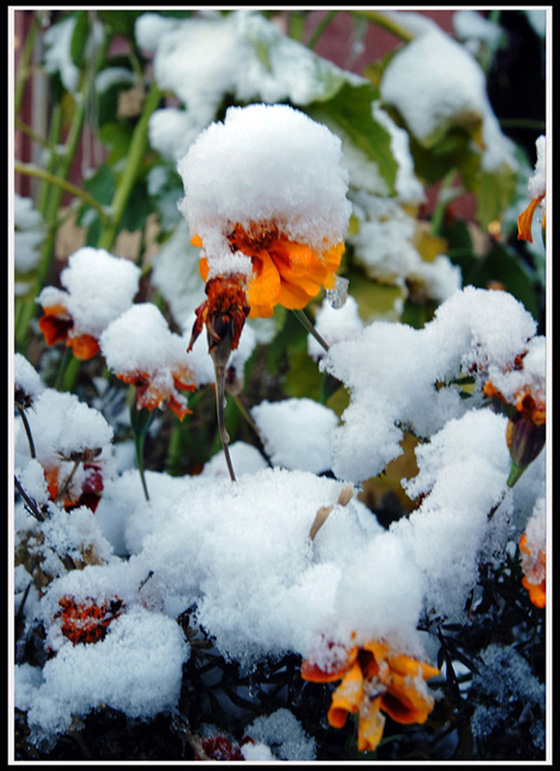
x=98, y=287
x=537, y=193
x=142, y=351
x=520, y=390
x=375, y=679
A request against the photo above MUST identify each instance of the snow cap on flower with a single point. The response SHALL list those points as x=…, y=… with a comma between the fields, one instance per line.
x=266, y=164
x=98, y=287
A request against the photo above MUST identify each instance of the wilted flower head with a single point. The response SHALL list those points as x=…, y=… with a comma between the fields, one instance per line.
x=142, y=351
x=97, y=289
x=374, y=679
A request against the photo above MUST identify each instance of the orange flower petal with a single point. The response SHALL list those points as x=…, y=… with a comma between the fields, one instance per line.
x=370, y=725
x=404, y=702
x=537, y=592
x=264, y=287
x=84, y=347
x=525, y=220
x=348, y=697
x=55, y=325
x=311, y=671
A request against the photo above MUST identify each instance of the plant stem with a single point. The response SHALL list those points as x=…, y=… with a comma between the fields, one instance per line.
x=34, y=171
x=220, y=372
x=320, y=28
x=382, y=19
x=24, y=62
x=304, y=319
x=28, y=433
x=135, y=159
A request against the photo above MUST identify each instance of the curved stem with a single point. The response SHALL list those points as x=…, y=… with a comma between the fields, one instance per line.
x=34, y=171
x=387, y=22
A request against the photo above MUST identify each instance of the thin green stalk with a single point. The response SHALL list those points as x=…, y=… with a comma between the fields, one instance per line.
x=140, y=422
x=54, y=137
x=130, y=174
x=24, y=63
x=68, y=372
x=31, y=170
x=320, y=28
x=304, y=319
x=387, y=22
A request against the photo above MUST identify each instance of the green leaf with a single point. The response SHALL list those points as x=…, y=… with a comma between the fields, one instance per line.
x=494, y=189
x=138, y=208
x=101, y=185
x=349, y=113
x=120, y=22
x=117, y=136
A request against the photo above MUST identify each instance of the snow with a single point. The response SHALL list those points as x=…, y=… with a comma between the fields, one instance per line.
x=202, y=60
x=28, y=236
x=384, y=245
x=334, y=325
x=58, y=58
x=137, y=668
x=507, y=691
x=537, y=182
x=296, y=432
x=434, y=82
x=474, y=332
x=283, y=734
x=140, y=341
x=61, y=424
x=116, y=282
x=462, y=472
x=26, y=377
x=227, y=177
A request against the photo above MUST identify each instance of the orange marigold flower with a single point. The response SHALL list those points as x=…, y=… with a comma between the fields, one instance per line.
x=87, y=622
x=57, y=326
x=154, y=392
x=376, y=680
x=284, y=272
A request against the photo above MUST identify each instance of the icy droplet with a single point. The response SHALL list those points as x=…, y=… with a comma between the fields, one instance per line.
x=338, y=295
